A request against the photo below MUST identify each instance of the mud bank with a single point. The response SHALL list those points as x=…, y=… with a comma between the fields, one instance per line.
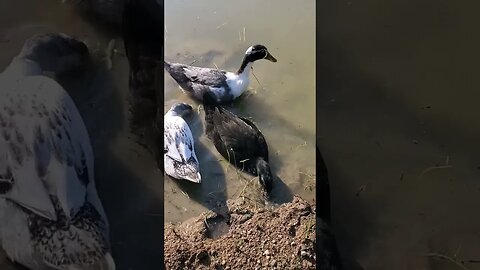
x=246, y=238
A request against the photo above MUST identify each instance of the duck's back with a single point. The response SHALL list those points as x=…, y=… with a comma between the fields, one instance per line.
x=239, y=136
x=44, y=143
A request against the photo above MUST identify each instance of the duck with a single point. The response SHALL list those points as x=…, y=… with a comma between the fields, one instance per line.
x=51, y=216
x=226, y=86
x=238, y=140
x=180, y=160
x=143, y=46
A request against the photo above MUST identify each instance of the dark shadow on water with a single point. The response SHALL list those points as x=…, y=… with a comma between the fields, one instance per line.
x=132, y=208
x=280, y=193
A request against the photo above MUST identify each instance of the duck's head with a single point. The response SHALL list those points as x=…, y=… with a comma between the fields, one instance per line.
x=264, y=174
x=181, y=109
x=55, y=52
x=257, y=52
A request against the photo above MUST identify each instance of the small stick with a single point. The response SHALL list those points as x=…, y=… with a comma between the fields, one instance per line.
x=257, y=79
x=215, y=65
x=239, y=36
x=221, y=25
x=434, y=168
x=244, y=33
x=184, y=193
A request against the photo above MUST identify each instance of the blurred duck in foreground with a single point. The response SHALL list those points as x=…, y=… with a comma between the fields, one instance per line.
x=50, y=214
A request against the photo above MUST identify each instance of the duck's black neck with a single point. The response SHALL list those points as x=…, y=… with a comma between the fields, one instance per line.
x=244, y=65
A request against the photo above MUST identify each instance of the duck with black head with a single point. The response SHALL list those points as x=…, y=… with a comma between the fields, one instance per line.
x=238, y=140
x=224, y=85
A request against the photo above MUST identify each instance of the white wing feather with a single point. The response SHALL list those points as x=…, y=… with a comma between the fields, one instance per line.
x=54, y=147
x=178, y=139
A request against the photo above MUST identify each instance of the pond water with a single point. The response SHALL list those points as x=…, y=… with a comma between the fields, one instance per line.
x=281, y=103
x=397, y=95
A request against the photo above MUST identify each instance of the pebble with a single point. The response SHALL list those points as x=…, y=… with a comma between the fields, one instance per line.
x=266, y=252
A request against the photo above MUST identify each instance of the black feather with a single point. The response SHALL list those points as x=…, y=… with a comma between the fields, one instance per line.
x=237, y=139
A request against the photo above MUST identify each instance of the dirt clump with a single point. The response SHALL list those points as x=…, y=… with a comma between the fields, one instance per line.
x=247, y=238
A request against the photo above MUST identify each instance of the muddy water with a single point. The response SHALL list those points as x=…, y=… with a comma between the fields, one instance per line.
x=128, y=182
x=281, y=103
x=398, y=95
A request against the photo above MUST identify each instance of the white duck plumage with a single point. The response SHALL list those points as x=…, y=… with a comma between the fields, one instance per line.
x=225, y=85
x=50, y=214
x=180, y=160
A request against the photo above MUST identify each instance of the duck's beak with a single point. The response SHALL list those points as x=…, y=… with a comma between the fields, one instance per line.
x=270, y=57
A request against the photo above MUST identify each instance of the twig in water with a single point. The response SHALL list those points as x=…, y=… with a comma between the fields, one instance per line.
x=434, y=168
x=244, y=33
x=447, y=258
x=215, y=65
x=193, y=62
x=257, y=79
x=221, y=25
x=244, y=187
x=184, y=193
x=239, y=36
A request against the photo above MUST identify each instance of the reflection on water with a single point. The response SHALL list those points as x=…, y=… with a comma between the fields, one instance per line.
x=398, y=95
x=281, y=103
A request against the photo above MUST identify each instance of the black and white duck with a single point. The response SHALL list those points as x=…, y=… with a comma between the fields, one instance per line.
x=51, y=216
x=226, y=86
x=180, y=160
x=238, y=140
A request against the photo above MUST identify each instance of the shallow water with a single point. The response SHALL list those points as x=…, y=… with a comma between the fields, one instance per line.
x=398, y=94
x=281, y=104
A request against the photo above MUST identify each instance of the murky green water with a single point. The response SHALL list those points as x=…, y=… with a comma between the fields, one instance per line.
x=282, y=102
x=393, y=74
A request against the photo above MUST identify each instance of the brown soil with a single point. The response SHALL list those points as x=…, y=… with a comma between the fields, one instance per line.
x=281, y=238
